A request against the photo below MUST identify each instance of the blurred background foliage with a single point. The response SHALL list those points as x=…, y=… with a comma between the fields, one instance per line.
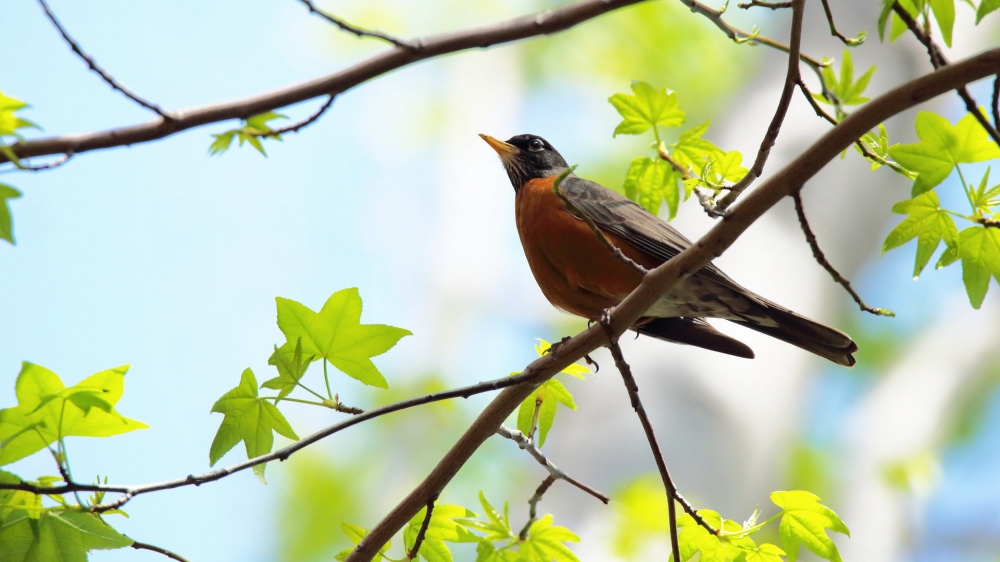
x=170, y=260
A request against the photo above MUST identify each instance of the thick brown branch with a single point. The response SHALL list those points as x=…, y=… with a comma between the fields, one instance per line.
x=996, y=101
x=792, y=79
x=821, y=259
x=550, y=21
x=937, y=61
x=172, y=555
x=788, y=180
x=92, y=64
x=357, y=30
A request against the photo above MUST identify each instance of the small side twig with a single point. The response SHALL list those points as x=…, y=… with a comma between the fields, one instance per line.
x=821, y=259
x=294, y=128
x=706, y=199
x=357, y=30
x=633, y=392
x=989, y=223
x=996, y=101
x=21, y=166
x=850, y=42
x=412, y=554
x=526, y=444
x=92, y=64
x=791, y=79
x=533, y=505
x=615, y=250
x=172, y=555
x=762, y=4
x=938, y=60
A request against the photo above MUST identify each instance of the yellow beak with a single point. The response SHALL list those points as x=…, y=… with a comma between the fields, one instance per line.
x=505, y=150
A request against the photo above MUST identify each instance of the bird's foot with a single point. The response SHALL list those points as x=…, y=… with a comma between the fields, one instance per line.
x=605, y=321
x=554, y=347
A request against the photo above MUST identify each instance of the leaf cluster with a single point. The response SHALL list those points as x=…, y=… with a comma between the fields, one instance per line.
x=538, y=411
x=253, y=129
x=10, y=125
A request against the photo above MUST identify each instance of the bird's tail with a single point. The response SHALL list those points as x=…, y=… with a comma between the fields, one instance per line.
x=696, y=332
x=807, y=334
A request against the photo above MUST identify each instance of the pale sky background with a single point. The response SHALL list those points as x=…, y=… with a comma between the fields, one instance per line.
x=164, y=258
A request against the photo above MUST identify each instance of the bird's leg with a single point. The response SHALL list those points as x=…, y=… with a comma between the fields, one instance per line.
x=552, y=349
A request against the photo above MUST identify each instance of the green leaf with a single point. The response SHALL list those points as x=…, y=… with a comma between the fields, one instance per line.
x=979, y=248
x=56, y=536
x=647, y=107
x=941, y=147
x=944, y=13
x=985, y=8
x=290, y=370
x=651, y=181
x=222, y=142
x=804, y=521
x=574, y=370
x=694, y=152
x=442, y=528
x=694, y=538
x=927, y=222
x=497, y=526
x=985, y=199
x=251, y=131
x=9, y=121
x=547, y=397
x=7, y=193
x=766, y=552
x=845, y=88
x=337, y=335
x=545, y=542
x=46, y=409
x=250, y=419
x=356, y=533
x=883, y=17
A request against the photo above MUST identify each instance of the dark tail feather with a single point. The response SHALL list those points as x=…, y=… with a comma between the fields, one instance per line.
x=807, y=334
x=696, y=332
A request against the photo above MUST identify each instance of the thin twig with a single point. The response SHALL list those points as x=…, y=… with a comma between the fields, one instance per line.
x=412, y=554
x=989, y=223
x=172, y=555
x=996, y=101
x=534, y=418
x=23, y=167
x=762, y=4
x=849, y=41
x=129, y=492
x=791, y=80
x=526, y=444
x=543, y=23
x=100, y=71
x=707, y=200
x=294, y=128
x=533, y=505
x=668, y=483
x=821, y=259
x=938, y=60
x=572, y=208
x=361, y=32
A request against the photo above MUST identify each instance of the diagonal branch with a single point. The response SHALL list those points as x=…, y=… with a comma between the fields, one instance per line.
x=159, y=550
x=525, y=443
x=657, y=282
x=533, y=505
x=358, y=31
x=938, y=60
x=821, y=258
x=295, y=127
x=544, y=23
x=92, y=64
x=849, y=41
x=792, y=78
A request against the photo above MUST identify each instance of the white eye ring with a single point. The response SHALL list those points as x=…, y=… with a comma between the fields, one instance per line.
x=536, y=145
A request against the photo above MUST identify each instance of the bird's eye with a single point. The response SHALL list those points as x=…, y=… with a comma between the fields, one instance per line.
x=536, y=145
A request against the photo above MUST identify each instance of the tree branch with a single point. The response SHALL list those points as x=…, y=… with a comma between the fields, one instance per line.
x=294, y=128
x=92, y=64
x=419, y=540
x=849, y=41
x=357, y=30
x=821, y=258
x=762, y=4
x=128, y=492
x=792, y=78
x=525, y=443
x=550, y=21
x=533, y=505
x=657, y=282
x=173, y=556
x=938, y=60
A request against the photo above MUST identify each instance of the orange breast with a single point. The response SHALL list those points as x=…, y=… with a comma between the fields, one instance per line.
x=574, y=270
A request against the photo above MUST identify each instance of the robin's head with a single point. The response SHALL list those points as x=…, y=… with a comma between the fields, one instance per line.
x=527, y=157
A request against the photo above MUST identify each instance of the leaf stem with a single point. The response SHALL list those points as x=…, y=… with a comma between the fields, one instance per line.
x=749, y=530
x=326, y=379
x=299, y=400
x=965, y=189
x=309, y=390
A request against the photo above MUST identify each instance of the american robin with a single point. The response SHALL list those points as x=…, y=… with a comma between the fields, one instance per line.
x=579, y=274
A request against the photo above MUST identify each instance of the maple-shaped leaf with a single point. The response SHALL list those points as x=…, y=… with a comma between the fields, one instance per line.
x=979, y=248
x=694, y=152
x=927, y=222
x=694, y=539
x=646, y=107
x=290, y=370
x=251, y=132
x=942, y=146
x=547, y=398
x=336, y=334
x=846, y=89
x=7, y=193
x=47, y=410
x=442, y=528
x=56, y=536
x=545, y=542
x=651, y=181
x=250, y=419
x=10, y=122
x=497, y=525
x=984, y=198
x=804, y=521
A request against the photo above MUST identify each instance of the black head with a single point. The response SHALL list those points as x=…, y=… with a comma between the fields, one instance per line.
x=527, y=157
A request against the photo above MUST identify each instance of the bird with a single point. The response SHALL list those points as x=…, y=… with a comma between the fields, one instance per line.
x=578, y=273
